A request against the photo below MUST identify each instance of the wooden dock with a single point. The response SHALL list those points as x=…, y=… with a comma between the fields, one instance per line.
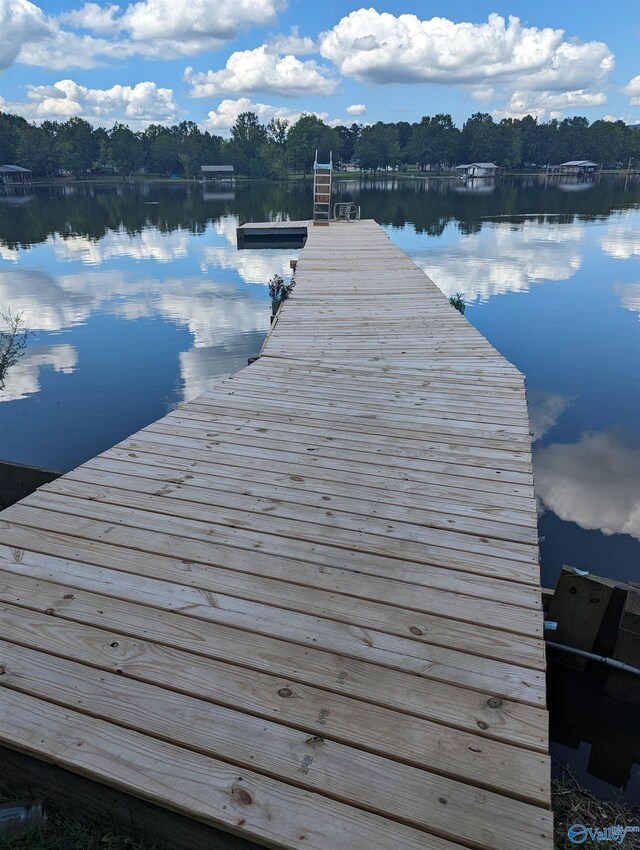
x=303, y=608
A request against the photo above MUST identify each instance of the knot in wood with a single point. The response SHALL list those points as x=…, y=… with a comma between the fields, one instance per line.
x=494, y=702
x=482, y=724
x=285, y=693
x=241, y=795
x=415, y=630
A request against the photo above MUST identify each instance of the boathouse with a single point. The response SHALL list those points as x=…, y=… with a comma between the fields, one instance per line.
x=15, y=174
x=478, y=169
x=217, y=172
x=579, y=166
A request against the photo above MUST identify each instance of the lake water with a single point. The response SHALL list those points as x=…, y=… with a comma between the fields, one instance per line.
x=138, y=299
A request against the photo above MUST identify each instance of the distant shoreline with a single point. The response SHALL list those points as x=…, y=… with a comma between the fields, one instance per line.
x=294, y=178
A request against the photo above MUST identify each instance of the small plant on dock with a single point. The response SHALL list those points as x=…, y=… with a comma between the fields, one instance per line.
x=13, y=341
x=279, y=289
x=457, y=301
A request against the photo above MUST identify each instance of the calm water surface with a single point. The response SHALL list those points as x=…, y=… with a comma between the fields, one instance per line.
x=138, y=300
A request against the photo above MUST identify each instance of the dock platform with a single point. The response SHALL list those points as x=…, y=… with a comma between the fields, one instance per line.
x=304, y=608
x=283, y=234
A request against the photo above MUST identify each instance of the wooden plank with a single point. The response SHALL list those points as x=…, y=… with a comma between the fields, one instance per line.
x=321, y=457
x=315, y=763
x=318, y=667
x=368, y=645
x=273, y=813
x=515, y=562
x=205, y=449
x=251, y=600
x=377, y=500
x=323, y=566
x=508, y=732
x=236, y=485
x=288, y=503
x=384, y=451
x=257, y=592
x=25, y=777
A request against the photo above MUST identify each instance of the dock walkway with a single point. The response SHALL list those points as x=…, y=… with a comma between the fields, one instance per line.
x=303, y=608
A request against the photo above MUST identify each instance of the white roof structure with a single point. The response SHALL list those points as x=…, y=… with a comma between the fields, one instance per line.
x=215, y=169
x=479, y=165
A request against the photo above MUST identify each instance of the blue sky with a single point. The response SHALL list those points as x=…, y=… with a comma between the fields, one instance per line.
x=208, y=60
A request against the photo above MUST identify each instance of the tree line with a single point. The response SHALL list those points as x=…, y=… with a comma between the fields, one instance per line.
x=279, y=147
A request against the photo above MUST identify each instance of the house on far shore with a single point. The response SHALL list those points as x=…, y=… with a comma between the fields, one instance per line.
x=15, y=174
x=577, y=167
x=217, y=172
x=478, y=169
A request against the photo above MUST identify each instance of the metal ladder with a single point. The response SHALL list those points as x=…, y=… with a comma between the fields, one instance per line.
x=322, y=190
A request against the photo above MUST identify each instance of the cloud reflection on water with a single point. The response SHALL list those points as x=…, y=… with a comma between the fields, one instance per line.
x=622, y=238
x=150, y=244
x=593, y=482
x=503, y=257
x=23, y=379
x=629, y=294
x=544, y=411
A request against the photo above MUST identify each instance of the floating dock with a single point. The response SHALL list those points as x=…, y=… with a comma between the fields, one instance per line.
x=273, y=234
x=304, y=608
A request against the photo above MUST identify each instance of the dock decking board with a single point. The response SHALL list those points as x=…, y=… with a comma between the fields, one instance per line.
x=303, y=608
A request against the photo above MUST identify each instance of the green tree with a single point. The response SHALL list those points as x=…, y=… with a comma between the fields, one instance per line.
x=508, y=150
x=434, y=141
x=34, y=151
x=479, y=138
x=606, y=141
x=571, y=140
x=277, y=130
x=248, y=136
x=78, y=146
x=308, y=135
x=124, y=149
x=378, y=147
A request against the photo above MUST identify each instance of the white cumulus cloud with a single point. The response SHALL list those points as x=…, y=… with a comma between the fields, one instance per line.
x=356, y=109
x=154, y=29
x=21, y=23
x=137, y=105
x=293, y=43
x=382, y=48
x=500, y=57
x=632, y=89
x=196, y=20
x=542, y=103
x=262, y=70
x=100, y=19
x=224, y=116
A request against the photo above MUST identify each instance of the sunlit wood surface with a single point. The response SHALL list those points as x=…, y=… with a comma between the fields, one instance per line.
x=304, y=607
